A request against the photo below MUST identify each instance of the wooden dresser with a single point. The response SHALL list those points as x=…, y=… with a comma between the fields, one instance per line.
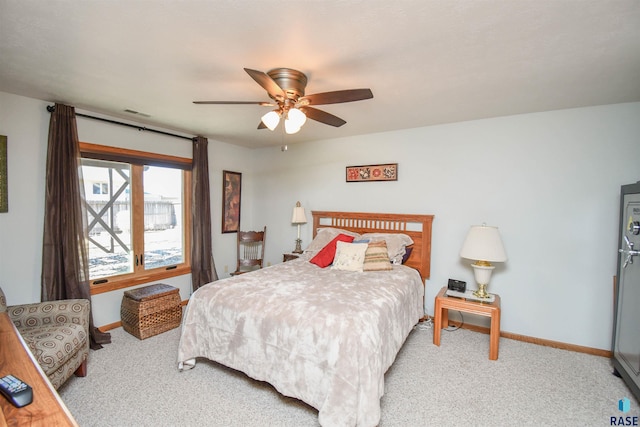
x=47, y=409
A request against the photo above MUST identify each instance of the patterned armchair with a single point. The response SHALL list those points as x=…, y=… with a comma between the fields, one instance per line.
x=56, y=332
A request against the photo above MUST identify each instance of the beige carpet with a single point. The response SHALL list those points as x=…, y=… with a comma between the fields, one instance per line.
x=136, y=383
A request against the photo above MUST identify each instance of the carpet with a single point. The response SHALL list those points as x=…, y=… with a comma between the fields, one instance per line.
x=135, y=383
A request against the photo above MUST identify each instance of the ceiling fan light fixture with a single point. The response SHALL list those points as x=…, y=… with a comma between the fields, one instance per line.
x=290, y=128
x=271, y=119
x=286, y=87
x=294, y=120
x=297, y=117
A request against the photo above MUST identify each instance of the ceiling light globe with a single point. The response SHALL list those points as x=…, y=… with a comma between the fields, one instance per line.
x=290, y=127
x=271, y=119
x=297, y=116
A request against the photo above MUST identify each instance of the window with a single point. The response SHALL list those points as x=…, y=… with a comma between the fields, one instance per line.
x=138, y=216
x=100, y=188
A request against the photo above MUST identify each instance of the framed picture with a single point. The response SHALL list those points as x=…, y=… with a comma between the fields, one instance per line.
x=4, y=196
x=386, y=172
x=231, y=188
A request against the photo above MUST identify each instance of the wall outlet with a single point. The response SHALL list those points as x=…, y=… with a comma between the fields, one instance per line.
x=226, y=268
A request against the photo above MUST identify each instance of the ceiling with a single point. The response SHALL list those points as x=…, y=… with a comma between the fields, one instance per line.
x=427, y=62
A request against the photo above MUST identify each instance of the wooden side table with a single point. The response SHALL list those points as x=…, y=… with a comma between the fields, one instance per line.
x=444, y=303
x=47, y=408
x=290, y=256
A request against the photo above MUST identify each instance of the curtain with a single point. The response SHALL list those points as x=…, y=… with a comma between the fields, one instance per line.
x=203, y=269
x=65, y=267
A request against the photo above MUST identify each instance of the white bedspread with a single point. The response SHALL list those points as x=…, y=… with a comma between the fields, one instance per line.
x=324, y=336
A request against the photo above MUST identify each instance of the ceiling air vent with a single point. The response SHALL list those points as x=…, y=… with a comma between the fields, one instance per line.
x=136, y=113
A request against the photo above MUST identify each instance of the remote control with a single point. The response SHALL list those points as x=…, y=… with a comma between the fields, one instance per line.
x=17, y=392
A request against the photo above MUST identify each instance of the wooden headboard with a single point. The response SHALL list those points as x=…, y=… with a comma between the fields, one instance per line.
x=418, y=227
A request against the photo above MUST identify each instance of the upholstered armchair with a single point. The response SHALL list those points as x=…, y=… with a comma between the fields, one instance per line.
x=56, y=332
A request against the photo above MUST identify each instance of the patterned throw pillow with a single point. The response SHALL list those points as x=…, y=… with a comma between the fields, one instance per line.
x=396, y=243
x=377, y=257
x=349, y=256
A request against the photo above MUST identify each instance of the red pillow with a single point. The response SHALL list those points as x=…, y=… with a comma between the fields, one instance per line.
x=325, y=257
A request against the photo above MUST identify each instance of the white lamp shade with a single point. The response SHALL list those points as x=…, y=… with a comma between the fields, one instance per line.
x=290, y=128
x=297, y=117
x=271, y=119
x=294, y=120
x=298, y=216
x=483, y=243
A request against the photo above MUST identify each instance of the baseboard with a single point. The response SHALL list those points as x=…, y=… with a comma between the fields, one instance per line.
x=534, y=340
x=105, y=328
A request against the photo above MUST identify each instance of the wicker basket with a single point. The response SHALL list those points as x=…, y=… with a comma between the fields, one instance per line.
x=150, y=310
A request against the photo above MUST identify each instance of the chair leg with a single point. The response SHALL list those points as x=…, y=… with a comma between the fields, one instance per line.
x=82, y=369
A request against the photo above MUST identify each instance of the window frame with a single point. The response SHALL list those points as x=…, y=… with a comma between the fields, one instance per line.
x=137, y=159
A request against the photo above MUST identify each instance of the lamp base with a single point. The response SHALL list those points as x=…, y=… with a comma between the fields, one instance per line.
x=482, y=271
x=298, y=249
x=482, y=292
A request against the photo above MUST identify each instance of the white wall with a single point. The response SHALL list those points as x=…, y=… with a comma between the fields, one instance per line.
x=550, y=181
x=25, y=121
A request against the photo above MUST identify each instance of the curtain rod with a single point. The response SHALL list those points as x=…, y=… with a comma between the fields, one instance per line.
x=52, y=108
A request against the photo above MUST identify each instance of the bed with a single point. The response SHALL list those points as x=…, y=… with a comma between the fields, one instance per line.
x=324, y=335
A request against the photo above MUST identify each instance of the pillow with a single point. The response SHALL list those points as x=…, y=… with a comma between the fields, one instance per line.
x=325, y=257
x=407, y=254
x=377, y=258
x=396, y=243
x=325, y=235
x=349, y=256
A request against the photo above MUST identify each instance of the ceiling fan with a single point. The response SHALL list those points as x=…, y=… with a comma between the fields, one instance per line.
x=285, y=86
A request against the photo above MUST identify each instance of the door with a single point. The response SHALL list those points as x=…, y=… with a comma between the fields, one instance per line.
x=626, y=339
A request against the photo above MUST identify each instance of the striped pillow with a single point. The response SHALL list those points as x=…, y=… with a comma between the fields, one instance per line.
x=377, y=258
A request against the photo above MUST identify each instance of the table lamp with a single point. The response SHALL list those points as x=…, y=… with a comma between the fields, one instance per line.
x=297, y=219
x=483, y=244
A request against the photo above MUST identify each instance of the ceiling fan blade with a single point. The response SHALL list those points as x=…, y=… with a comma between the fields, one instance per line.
x=262, y=103
x=267, y=83
x=322, y=116
x=337, y=97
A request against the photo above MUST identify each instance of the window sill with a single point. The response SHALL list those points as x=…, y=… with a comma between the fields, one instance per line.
x=130, y=280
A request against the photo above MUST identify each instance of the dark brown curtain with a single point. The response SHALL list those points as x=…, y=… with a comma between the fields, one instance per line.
x=65, y=267
x=203, y=269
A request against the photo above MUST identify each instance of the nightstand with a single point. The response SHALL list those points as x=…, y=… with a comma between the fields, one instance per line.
x=490, y=309
x=289, y=257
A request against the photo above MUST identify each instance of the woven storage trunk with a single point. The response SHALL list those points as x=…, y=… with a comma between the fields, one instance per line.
x=150, y=310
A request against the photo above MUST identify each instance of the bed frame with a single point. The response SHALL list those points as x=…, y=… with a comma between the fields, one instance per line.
x=418, y=227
